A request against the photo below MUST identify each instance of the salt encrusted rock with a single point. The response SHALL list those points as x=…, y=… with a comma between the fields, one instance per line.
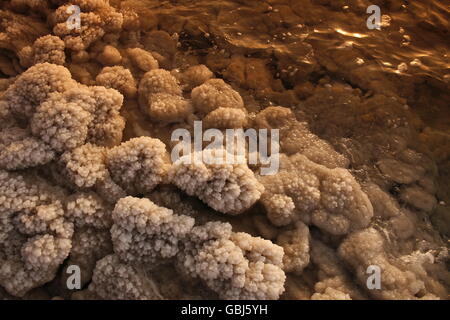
x=418, y=198
x=142, y=59
x=83, y=114
x=89, y=245
x=227, y=188
x=235, y=265
x=214, y=94
x=49, y=49
x=145, y=233
x=87, y=209
x=295, y=137
x=84, y=166
x=98, y=17
x=295, y=243
x=35, y=85
x=138, y=165
x=20, y=150
x=366, y=247
x=64, y=126
x=118, y=78
x=168, y=108
x=160, y=97
x=195, y=76
x=114, y=280
x=331, y=199
x=35, y=238
x=226, y=118
x=399, y=171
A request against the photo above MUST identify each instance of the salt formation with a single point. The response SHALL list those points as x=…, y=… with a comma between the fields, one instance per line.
x=86, y=178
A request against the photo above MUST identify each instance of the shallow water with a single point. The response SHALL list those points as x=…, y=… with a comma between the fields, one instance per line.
x=378, y=99
x=411, y=47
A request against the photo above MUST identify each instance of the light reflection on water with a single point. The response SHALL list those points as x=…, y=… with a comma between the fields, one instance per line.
x=413, y=34
x=411, y=38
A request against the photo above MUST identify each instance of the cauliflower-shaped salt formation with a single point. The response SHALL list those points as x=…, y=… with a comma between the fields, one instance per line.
x=115, y=280
x=64, y=126
x=62, y=114
x=295, y=243
x=118, y=78
x=334, y=280
x=109, y=55
x=97, y=19
x=87, y=209
x=20, y=150
x=92, y=217
x=84, y=114
x=227, y=188
x=35, y=238
x=49, y=49
x=146, y=233
x=367, y=247
x=107, y=125
x=168, y=108
x=235, y=265
x=295, y=137
x=324, y=292
x=195, y=76
x=157, y=81
x=169, y=197
x=84, y=166
x=142, y=59
x=34, y=86
x=226, y=118
x=331, y=199
x=214, y=94
x=138, y=165
x=384, y=205
x=160, y=97
x=109, y=190
x=88, y=246
x=6, y=118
